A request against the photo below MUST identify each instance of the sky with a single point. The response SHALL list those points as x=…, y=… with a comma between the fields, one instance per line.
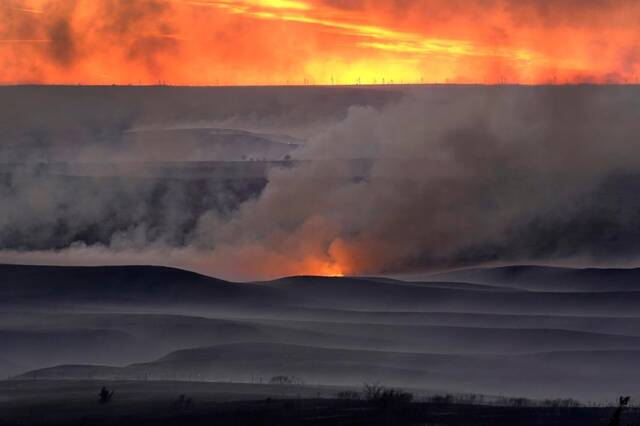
x=279, y=42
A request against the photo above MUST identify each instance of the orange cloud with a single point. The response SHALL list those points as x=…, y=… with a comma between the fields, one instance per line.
x=236, y=42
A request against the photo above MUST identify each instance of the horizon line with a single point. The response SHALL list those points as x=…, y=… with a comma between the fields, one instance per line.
x=301, y=85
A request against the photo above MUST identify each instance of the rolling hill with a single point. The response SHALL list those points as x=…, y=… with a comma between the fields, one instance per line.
x=540, y=278
x=520, y=337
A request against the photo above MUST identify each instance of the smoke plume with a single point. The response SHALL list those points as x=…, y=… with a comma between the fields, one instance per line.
x=423, y=179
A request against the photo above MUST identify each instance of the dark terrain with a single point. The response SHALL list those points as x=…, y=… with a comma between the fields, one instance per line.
x=152, y=403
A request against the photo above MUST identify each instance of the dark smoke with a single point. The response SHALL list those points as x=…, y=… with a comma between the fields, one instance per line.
x=123, y=20
x=62, y=47
x=139, y=30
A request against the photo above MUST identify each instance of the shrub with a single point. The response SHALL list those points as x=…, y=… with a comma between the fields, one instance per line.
x=372, y=392
x=386, y=398
x=561, y=403
x=105, y=395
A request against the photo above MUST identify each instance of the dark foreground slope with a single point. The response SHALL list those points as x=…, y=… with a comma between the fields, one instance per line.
x=49, y=403
x=315, y=412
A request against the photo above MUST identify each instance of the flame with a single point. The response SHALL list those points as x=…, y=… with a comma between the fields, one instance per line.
x=302, y=254
x=237, y=42
x=321, y=268
x=332, y=262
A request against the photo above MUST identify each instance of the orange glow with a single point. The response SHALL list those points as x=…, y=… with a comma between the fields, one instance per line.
x=240, y=42
x=260, y=262
x=320, y=268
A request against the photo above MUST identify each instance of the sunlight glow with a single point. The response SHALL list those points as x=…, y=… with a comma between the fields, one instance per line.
x=273, y=42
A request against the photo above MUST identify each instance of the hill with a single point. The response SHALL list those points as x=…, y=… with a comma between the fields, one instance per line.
x=540, y=278
x=123, y=284
x=503, y=337
x=561, y=374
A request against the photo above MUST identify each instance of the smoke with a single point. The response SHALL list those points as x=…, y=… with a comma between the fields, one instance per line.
x=437, y=178
x=459, y=176
x=54, y=37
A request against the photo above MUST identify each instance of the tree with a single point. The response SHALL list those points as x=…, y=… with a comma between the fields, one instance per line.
x=386, y=398
x=623, y=402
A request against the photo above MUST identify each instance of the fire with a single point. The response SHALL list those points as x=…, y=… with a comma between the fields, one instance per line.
x=315, y=42
x=264, y=261
x=332, y=262
x=321, y=268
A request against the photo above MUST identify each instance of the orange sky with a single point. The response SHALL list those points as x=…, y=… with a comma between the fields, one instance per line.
x=238, y=42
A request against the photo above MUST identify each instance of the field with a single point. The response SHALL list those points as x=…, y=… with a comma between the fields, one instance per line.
x=156, y=403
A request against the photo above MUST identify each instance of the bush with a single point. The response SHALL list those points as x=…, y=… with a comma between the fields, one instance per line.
x=561, y=403
x=386, y=398
x=372, y=392
x=105, y=395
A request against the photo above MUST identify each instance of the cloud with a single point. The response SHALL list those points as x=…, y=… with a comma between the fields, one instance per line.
x=207, y=42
